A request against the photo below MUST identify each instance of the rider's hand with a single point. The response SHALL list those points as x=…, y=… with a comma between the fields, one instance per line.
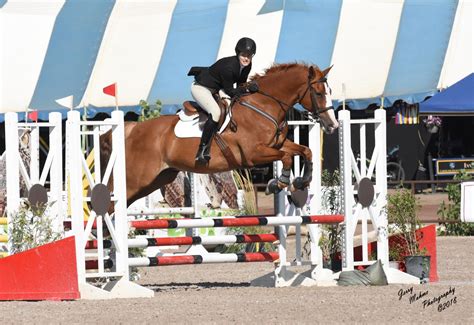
x=240, y=91
x=252, y=87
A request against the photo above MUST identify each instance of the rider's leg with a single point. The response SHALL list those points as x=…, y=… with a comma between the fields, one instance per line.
x=203, y=153
x=203, y=97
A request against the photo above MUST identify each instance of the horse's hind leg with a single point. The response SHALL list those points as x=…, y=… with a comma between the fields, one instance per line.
x=294, y=149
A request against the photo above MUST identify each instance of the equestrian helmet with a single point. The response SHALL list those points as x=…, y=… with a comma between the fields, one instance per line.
x=247, y=45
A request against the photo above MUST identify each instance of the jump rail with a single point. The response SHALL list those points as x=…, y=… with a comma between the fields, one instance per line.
x=190, y=259
x=190, y=240
x=204, y=259
x=236, y=222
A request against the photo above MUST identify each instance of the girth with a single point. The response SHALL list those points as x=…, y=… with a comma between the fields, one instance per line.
x=279, y=127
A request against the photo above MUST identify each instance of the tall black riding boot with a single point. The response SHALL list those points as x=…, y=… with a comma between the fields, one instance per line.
x=210, y=128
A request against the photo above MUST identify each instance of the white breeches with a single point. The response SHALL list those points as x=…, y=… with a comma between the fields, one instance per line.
x=203, y=97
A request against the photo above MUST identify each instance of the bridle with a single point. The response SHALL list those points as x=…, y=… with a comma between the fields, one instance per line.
x=315, y=110
x=315, y=114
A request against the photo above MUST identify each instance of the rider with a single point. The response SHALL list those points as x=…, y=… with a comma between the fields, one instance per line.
x=222, y=75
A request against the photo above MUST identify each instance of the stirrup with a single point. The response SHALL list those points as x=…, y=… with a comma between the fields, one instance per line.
x=203, y=155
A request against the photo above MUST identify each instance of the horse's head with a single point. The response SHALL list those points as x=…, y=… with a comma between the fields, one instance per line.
x=317, y=100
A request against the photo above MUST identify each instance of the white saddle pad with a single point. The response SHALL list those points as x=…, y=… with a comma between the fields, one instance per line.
x=191, y=126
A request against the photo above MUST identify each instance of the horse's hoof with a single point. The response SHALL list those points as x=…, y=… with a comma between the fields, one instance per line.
x=298, y=183
x=272, y=187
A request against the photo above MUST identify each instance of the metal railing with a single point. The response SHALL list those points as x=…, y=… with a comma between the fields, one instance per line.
x=412, y=183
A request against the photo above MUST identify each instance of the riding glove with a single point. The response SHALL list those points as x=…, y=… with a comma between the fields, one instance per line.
x=252, y=87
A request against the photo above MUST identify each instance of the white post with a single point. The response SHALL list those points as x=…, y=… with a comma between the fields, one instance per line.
x=96, y=148
x=381, y=186
x=75, y=191
x=12, y=161
x=12, y=168
x=363, y=172
x=279, y=204
x=34, y=153
x=315, y=146
x=297, y=173
x=56, y=170
x=193, y=179
x=315, y=205
x=120, y=194
x=345, y=153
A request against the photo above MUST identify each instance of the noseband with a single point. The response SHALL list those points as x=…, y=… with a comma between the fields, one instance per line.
x=316, y=111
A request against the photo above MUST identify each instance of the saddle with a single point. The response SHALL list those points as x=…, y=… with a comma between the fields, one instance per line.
x=191, y=108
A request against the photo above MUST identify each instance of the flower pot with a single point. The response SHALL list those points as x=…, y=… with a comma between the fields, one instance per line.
x=418, y=266
x=334, y=265
x=433, y=129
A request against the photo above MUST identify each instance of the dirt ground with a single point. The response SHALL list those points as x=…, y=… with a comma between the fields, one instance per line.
x=221, y=293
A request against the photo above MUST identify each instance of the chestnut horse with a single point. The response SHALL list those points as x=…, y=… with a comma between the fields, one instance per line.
x=154, y=155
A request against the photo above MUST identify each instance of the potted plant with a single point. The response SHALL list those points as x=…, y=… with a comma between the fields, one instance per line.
x=331, y=236
x=433, y=123
x=330, y=243
x=395, y=251
x=402, y=211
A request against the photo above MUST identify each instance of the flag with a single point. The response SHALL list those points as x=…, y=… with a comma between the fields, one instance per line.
x=66, y=101
x=111, y=90
x=33, y=116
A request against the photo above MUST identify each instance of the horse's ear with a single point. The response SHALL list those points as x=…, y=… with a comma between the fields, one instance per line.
x=311, y=73
x=326, y=71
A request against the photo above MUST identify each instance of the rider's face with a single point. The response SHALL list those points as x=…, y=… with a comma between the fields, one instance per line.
x=245, y=58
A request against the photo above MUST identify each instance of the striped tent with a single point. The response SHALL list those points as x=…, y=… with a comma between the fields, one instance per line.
x=395, y=49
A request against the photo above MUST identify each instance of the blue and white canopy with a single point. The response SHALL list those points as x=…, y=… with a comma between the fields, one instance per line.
x=396, y=49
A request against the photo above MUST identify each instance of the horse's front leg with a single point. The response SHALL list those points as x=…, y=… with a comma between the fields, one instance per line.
x=294, y=149
x=264, y=155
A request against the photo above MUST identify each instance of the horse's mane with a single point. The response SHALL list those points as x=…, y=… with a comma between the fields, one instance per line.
x=277, y=67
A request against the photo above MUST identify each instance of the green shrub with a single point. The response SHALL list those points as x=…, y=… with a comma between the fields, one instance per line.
x=395, y=252
x=331, y=198
x=331, y=235
x=148, y=111
x=402, y=211
x=31, y=227
x=243, y=181
x=452, y=211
